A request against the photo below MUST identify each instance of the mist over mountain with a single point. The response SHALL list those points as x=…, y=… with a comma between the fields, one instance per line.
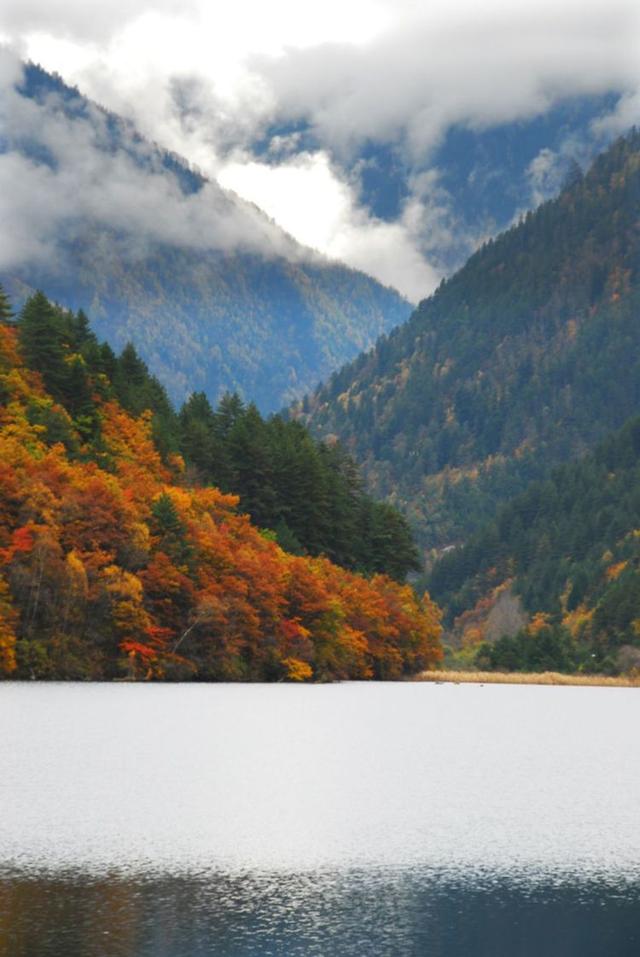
x=472, y=183
x=212, y=292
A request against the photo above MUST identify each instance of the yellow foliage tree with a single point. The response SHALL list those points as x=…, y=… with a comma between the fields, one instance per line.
x=8, y=618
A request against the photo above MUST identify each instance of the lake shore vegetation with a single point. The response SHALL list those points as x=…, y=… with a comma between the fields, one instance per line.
x=529, y=678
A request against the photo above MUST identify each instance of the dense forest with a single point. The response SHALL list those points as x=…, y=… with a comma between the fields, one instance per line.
x=569, y=547
x=119, y=557
x=307, y=491
x=524, y=359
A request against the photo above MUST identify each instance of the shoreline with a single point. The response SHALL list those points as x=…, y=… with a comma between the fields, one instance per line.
x=527, y=678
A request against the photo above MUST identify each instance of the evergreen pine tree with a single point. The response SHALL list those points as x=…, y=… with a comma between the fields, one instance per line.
x=137, y=390
x=107, y=363
x=42, y=341
x=171, y=531
x=78, y=400
x=253, y=467
x=201, y=444
x=83, y=337
x=6, y=312
x=230, y=409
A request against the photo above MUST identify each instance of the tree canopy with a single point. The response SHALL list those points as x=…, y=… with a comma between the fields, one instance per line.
x=120, y=557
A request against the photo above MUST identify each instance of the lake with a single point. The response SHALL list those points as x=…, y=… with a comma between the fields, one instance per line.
x=350, y=819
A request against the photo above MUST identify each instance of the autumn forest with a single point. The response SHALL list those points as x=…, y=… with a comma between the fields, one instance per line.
x=121, y=557
x=212, y=542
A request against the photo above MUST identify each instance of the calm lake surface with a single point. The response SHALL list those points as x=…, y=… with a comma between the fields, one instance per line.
x=350, y=819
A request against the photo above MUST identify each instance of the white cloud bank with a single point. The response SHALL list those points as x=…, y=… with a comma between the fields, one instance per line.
x=58, y=175
x=317, y=206
x=206, y=78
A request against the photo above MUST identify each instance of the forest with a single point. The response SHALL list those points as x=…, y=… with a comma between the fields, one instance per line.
x=141, y=542
x=569, y=547
x=214, y=543
x=526, y=358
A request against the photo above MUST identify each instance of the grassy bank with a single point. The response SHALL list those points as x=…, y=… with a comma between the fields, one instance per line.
x=534, y=678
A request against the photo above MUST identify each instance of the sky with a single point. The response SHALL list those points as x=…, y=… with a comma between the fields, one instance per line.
x=276, y=101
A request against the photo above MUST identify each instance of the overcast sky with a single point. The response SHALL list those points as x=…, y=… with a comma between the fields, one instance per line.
x=206, y=78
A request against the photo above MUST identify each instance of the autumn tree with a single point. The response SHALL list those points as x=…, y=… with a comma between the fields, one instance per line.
x=115, y=561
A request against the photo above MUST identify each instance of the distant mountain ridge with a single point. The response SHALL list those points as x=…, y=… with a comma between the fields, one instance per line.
x=527, y=356
x=253, y=312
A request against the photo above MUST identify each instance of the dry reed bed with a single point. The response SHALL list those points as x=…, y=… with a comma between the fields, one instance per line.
x=518, y=678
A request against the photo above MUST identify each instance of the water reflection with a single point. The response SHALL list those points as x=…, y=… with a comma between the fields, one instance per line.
x=374, y=913
x=346, y=820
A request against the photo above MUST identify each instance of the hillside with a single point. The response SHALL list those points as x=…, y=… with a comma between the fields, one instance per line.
x=525, y=358
x=569, y=548
x=117, y=561
x=212, y=293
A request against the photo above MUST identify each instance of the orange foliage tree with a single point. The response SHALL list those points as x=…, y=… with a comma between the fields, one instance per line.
x=111, y=565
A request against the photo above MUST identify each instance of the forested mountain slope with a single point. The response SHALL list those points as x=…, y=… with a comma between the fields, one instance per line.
x=117, y=559
x=213, y=294
x=527, y=357
x=569, y=547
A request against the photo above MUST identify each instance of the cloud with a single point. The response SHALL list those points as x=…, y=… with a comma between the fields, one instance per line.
x=429, y=73
x=210, y=81
x=59, y=174
x=367, y=69
x=81, y=20
x=314, y=203
x=625, y=115
x=548, y=171
x=545, y=173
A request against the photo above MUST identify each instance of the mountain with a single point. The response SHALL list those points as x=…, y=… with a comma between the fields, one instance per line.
x=213, y=294
x=526, y=357
x=568, y=550
x=115, y=561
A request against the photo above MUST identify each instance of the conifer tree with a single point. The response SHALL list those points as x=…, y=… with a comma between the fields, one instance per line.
x=170, y=529
x=230, y=409
x=6, y=312
x=82, y=334
x=252, y=467
x=200, y=442
x=78, y=398
x=42, y=341
x=137, y=390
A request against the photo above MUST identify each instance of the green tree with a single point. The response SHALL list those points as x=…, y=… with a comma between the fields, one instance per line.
x=137, y=390
x=170, y=530
x=43, y=342
x=6, y=312
x=201, y=443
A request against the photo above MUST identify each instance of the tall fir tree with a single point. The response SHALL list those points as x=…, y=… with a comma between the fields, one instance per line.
x=6, y=312
x=43, y=342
